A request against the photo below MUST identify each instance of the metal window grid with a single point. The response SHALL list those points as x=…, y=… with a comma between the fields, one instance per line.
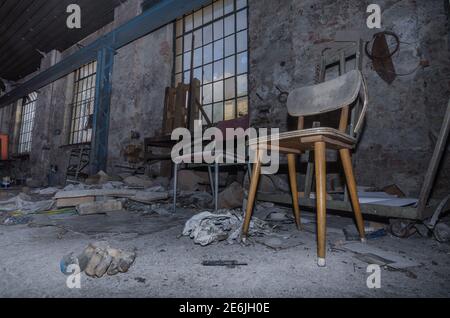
x=83, y=104
x=220, y=56
x=27, y=123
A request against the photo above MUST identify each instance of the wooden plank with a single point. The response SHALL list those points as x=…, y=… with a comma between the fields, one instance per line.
x=71, y=202
x=430, y=176
x=95, y=193
x=194, y=96
x=100, y=207
x=409, y=213
x=169, y=111
x=180, y=106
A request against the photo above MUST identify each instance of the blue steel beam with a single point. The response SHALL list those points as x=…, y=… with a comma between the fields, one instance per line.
x=161, y=14
x=103, y=88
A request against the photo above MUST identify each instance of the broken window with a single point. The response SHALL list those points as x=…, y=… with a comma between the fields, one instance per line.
x=83, y=104
x=27, y=123
x=219, y=56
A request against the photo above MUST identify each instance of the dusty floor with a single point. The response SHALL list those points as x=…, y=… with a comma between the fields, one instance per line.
x=168, y=265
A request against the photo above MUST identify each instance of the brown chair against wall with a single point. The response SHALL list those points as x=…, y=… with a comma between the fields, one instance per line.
x=338, y=94
x=4, y=140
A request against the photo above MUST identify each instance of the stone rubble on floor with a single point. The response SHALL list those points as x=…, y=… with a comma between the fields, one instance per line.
x=99, y=259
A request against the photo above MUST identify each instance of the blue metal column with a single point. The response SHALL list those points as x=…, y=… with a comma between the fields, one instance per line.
x=99, y=152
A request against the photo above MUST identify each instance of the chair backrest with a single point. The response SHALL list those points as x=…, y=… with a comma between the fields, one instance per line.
x=325, y=97
x=3, y=147
x=180, y=109
x=348, y=47
x=338, y=93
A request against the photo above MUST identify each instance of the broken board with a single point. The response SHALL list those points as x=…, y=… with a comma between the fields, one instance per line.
x=71, y=202
x=369, y=253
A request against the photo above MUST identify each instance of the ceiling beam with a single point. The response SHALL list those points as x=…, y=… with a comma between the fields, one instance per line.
x=161, y=14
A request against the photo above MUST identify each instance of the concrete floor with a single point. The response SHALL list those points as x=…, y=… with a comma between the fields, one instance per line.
x=168, y=265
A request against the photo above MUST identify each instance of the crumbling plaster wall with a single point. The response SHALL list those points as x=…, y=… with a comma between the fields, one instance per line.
x=396, y=146
x=142, y=71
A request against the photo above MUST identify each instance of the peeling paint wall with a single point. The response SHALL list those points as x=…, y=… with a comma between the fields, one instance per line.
x=396, y=146
x=142, y=71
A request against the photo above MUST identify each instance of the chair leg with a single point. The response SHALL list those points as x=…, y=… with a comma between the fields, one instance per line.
x=321, y=194
x=294, y=189
x=353, y=191
x=252, y=194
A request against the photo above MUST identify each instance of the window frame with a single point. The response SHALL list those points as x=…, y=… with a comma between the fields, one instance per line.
x=27, y=121
x=84, y=83
x=182, y=68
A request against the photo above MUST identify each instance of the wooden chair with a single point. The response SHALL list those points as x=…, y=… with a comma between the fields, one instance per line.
x=338, y=94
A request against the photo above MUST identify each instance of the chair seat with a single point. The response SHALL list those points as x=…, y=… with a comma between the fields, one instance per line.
x=299, y=141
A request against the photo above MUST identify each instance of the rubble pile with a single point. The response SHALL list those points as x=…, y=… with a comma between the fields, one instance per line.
x=99, y=259
x=99, y=194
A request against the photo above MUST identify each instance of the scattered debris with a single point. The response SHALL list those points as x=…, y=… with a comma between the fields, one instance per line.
x=72, y=202
x=66, y=261
x=373, y=259
x=75, y=187
x=118, y=193
x=25, y=205
x=17, y=220
x=271, y=184
x=189, y=180
x=206, y=227
x=280, y=217
x=232, y=197
x=162, y=210
x=149, y=197
x=393, y=189
x=373, y=231
x=46, y=191
x=6, y=182
x=370, y=253
x=4, y=195
x=140, y=280
x=280, y=182
x=402, y=228
x=384, y=199
x=99, y=207
x=229, y=264
x=139, y=181
x=111, y=185
x=99, y=259
x=78, y=197
x=99, y=178
x=269, y=212
x=148, y=209
x=162, y=181
x=280, y=242
x=442, y=232
x=200, y=199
